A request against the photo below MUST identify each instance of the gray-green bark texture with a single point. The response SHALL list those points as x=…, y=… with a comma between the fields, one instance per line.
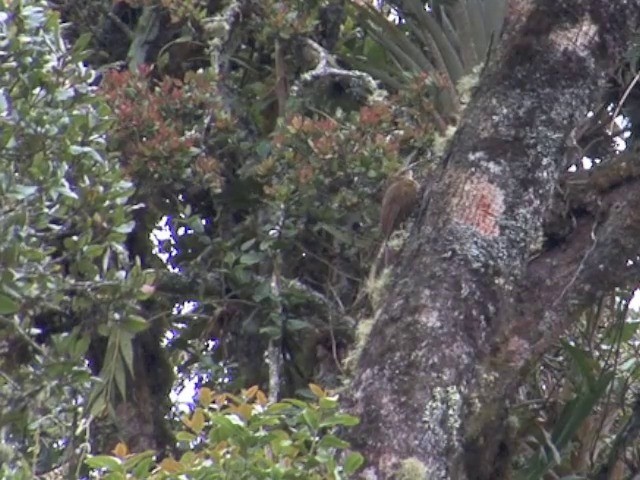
x=507, y=249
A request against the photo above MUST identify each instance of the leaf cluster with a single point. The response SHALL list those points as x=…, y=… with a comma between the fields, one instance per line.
x=65, y=214
x=246, y=436
x=583, y=397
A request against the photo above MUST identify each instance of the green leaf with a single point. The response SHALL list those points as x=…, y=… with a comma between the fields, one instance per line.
x=251, y=258
x=278, y=408
x=120, y=378
x=185, y=437
x=87, y=268
x=587, y=366
x=141, y=464
x=82, y=42
x=126, y=350
x=229, y=258
x=296, y=402
x=125, y=227
x=135, y=324
x=331, y=441
x=263, y=149
x=227, y=427
x=83, y=150
x=375, y=53
x=328, y=403
x=620, y=333
x=294, y=324
x=195, y=224
x=22, y=192
x=311, y=418
x=93, y=251
x=112, y=464
x=340, y=419
x=70, y=243
x=240, y=274
x=247, y=245
x=271, y=331
x=8, y=305
x=578, y=409
x=65, y=190
x=353, y=462
x=262, y=291
x=97, y=401
x=80, y=346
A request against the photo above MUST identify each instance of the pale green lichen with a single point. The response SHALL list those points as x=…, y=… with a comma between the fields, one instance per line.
x=362, y=335
x=480, y=411
x=445, y=404
x=441, y=142
x=397, y=239
x=454, y=401
x=376, y=287
x=411, y=469
x=467, y=83
x=464, y=88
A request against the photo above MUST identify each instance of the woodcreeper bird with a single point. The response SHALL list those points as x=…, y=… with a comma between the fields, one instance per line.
x=398, y=201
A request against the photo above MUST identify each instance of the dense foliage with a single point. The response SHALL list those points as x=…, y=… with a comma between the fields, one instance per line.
x=65, y=217
x=246, y=436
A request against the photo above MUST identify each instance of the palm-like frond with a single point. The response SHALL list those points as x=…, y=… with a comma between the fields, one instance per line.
x=444, y=39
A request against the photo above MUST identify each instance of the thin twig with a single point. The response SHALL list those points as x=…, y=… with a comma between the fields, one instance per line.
x=622, y=100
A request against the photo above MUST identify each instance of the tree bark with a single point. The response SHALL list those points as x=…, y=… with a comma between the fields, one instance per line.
x=481, y=290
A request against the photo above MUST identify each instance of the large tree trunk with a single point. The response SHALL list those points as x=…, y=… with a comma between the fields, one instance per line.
x=480, y=290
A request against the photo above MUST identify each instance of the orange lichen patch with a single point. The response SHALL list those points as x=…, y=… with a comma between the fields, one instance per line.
x=480, y=205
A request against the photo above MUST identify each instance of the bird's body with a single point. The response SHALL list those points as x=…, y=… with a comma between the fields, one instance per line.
x=397, y=203
x=399, y=200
